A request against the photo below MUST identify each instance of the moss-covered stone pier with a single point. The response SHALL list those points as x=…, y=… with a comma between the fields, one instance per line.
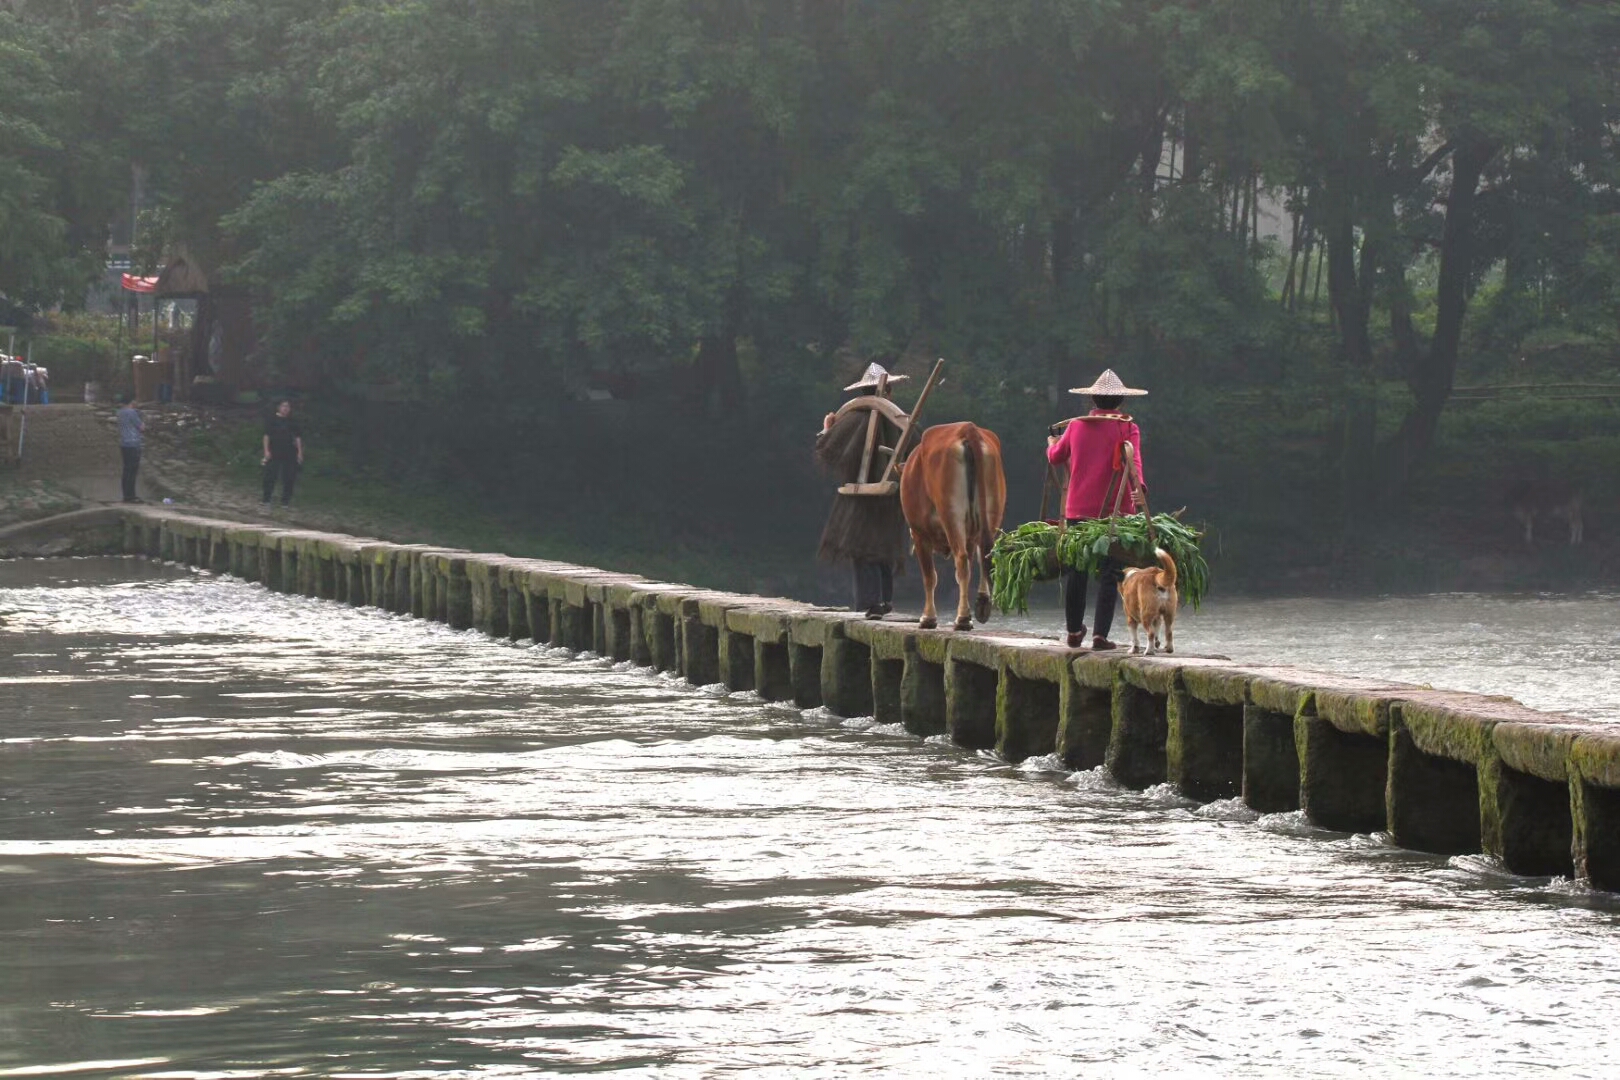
x=1441, y=772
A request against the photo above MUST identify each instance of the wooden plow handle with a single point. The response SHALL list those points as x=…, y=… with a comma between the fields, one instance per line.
x=911, y=421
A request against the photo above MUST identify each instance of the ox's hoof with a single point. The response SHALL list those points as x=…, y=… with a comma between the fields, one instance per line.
x=964, y=624
x=981, y=609
x=927, y=622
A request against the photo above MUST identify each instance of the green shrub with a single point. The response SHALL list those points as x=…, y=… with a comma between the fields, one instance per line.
x=77, y=348
x=73, y=361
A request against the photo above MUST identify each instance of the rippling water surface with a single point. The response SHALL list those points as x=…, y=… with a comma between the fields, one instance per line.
x=244, y=834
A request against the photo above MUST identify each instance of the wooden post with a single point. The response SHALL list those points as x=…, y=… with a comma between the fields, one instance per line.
x=22, y=423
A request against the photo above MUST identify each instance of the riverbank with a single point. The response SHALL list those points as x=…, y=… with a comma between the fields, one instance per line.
x=206, y=459
x=759, y=536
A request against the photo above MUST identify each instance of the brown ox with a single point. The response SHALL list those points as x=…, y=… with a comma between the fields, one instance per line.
x=953, y=493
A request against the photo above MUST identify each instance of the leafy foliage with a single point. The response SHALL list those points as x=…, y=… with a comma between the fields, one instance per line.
x=1037, y=551
x=723, y=208
x=52, y=177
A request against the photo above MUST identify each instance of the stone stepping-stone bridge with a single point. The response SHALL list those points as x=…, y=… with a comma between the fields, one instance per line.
x=1443, y=772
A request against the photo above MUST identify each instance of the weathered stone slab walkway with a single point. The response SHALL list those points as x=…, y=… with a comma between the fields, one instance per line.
x=1442, y=772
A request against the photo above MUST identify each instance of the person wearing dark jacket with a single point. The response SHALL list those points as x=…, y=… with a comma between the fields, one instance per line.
x=283, y=453
x=867, y=530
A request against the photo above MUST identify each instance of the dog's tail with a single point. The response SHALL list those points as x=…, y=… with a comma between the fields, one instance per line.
x=1167, y=569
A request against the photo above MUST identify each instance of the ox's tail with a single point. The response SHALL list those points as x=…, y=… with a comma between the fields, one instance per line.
x=973, y=465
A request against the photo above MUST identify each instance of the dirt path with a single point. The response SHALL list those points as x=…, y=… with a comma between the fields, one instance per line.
x=69, y=460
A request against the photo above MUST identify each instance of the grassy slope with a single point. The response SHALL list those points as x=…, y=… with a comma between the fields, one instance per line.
x=587, y=526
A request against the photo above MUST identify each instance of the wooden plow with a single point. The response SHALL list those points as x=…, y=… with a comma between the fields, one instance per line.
x=880, y=407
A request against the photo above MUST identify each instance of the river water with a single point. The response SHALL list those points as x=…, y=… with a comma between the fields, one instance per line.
x=244, y=834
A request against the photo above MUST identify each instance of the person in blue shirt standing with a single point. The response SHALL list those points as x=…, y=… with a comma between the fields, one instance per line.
x=131, y=436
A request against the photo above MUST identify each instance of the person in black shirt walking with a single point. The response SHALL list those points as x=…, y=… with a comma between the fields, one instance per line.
x=283, y=453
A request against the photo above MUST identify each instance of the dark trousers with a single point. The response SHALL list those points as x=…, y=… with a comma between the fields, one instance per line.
x=132, y=465
x=874, y=584
x=1109, y=576
x=287, y=469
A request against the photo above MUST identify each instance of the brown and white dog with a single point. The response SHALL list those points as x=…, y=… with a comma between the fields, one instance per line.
x=1150, y=599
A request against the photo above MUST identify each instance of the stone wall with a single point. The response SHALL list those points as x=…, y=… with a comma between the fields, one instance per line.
x=1442, y=772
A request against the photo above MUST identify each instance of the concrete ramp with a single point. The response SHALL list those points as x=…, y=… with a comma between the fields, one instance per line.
x=73, y=448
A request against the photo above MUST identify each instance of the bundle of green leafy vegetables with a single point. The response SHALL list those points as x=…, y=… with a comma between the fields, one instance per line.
x=1035, y=552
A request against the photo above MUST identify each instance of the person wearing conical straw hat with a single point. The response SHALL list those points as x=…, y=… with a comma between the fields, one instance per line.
x=868, y=531
x=1090, y=446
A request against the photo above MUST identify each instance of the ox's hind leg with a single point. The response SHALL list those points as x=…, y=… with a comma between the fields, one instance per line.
x=960, y=545
x=981, y=607
x=964, y=589
x=930, y=578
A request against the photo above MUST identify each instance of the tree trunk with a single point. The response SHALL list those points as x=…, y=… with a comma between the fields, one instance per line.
x=1355, y=409
x=1254, y=212
x=1153, y=152
x=1295, y=243
x=1433, y=371
x=716, y=370
x=1407, y=347
x=1192, y=156
x=202, y=331
x=1346, y=292
x=1316, y=289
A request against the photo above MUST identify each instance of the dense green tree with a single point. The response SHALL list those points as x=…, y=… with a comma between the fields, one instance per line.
x=57, y=181
x=1422, y=134
x=500, y=206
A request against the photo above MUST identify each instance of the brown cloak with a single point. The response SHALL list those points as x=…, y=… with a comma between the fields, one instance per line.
x=868, y=528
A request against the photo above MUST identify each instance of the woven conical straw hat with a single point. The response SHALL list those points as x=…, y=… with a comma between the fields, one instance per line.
x=1108, y=385
x=870, y=377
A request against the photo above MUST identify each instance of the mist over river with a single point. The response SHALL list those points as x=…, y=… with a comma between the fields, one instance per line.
x=246, y=834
